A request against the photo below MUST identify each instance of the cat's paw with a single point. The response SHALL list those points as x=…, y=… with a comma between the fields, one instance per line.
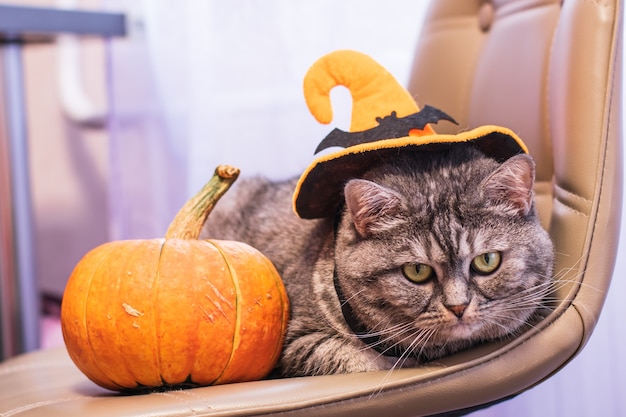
x=321, y=354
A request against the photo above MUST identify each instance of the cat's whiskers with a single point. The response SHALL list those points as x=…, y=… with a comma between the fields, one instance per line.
x=541, y=295
x=560, y=276
x=538, y=297
x=347, y=300
x=385, y=335
x=425, y=335
x=420, y=337
x=397, y=336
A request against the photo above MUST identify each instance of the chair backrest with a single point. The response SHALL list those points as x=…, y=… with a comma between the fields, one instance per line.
x=551, y=71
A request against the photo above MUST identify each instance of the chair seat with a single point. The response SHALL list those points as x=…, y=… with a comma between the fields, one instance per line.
x=48, y=383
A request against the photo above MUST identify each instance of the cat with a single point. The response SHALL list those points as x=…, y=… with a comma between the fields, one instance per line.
x=431, y=253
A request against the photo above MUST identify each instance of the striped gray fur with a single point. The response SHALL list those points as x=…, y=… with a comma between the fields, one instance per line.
x=445, y=210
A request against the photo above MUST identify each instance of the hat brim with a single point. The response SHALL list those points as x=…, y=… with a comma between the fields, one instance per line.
x=319, y=190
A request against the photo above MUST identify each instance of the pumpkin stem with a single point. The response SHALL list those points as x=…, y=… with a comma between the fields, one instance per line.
x=191, y=217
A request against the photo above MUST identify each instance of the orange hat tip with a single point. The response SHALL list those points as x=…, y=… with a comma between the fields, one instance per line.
x=317, y=99
x=321, y=109
x=374, y=91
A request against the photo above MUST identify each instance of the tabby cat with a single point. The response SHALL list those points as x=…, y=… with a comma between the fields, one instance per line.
x=431, y=253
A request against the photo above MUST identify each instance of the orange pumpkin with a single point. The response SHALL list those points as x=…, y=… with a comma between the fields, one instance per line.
x=178, y=311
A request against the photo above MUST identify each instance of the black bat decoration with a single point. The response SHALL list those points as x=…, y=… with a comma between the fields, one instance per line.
x=388, y=127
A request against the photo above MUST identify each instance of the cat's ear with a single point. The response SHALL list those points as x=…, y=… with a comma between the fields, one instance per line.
x=372, y=207
x=511, y=185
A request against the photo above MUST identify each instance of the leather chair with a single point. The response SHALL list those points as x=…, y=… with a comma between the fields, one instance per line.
x=551, y=71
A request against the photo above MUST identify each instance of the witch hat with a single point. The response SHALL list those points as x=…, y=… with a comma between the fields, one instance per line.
x=385, y=121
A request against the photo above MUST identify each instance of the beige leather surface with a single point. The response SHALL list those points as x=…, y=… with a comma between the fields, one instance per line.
x=548, y=70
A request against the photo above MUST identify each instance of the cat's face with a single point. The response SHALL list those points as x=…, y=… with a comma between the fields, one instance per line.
x=444, y=256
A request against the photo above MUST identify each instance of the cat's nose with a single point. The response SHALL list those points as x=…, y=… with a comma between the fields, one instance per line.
x=458, y=309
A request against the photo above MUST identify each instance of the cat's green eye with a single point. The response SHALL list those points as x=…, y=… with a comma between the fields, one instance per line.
x=486, y=263
x=418, y=273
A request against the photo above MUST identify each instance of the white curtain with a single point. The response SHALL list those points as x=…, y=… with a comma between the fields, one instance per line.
x=201, y=83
